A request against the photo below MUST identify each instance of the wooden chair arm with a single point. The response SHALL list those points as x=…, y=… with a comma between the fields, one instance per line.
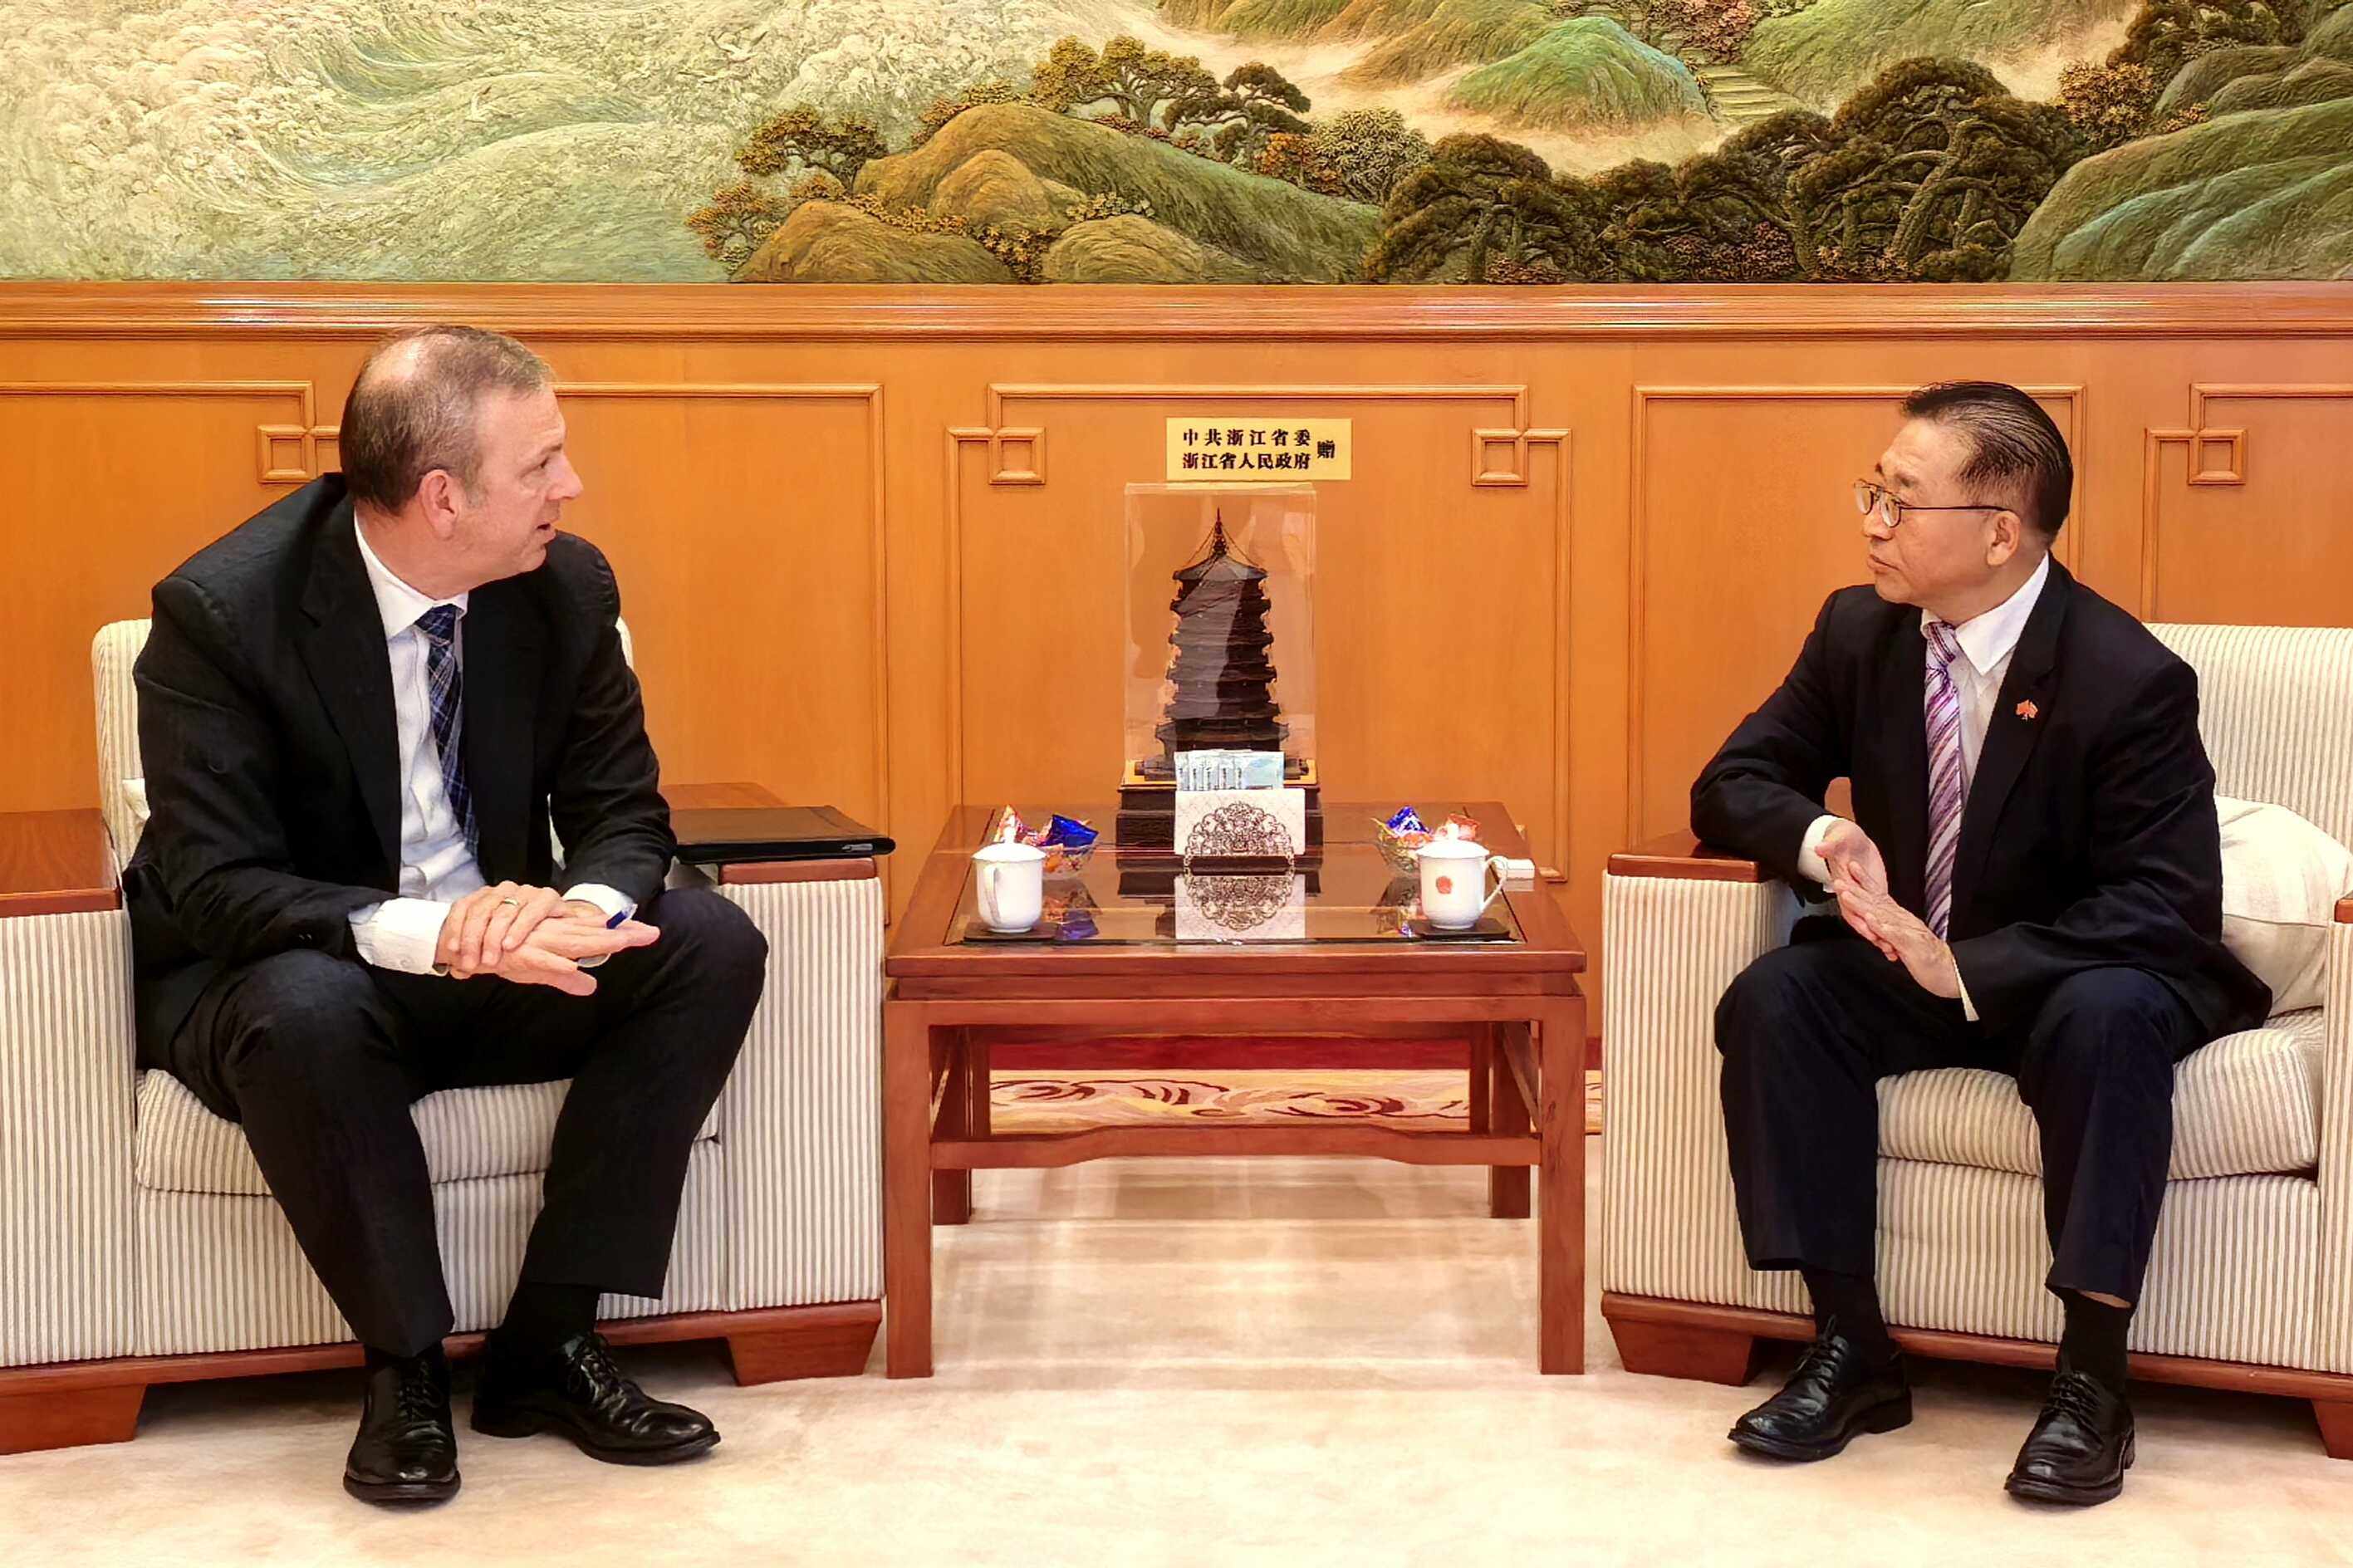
x=1683, y=856
x=55, y=863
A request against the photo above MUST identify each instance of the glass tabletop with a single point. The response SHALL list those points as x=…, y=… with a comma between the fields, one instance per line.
x=1347, y=892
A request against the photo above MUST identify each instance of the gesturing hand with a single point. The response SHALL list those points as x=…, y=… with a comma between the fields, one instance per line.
x=1901, y=935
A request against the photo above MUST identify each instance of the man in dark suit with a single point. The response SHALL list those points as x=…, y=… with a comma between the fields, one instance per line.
x=359, y=713
x=2031, y=882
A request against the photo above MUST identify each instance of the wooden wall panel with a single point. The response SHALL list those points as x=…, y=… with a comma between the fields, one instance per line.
x=2251, y=503
x=870, y=540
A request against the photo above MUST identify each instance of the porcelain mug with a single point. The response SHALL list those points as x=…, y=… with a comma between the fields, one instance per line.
x=1010, y=881
x=1454, y=891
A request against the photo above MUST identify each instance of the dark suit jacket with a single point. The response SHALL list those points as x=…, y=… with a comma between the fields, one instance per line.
x=2089, y=838
x=267, y=731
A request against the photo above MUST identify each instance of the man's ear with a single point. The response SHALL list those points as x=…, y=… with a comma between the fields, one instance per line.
x=442, y=503
x=2009, y=533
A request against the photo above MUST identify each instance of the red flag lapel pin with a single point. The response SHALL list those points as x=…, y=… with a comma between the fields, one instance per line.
x=2026, y=710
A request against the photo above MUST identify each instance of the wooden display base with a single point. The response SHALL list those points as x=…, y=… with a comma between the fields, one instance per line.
x=1720, y=1344
x=64, y=1404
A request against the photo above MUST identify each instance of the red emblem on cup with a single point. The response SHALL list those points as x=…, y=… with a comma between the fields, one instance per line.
x=1445, y=885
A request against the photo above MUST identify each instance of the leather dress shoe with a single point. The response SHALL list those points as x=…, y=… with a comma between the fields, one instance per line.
x=406, y=1450
x=2081, y=1447
x=1832, y=1398
x=579, y=1392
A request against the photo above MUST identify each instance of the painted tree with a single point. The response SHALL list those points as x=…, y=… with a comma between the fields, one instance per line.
x=802, y=137
x=1070, y=76
x=2165, y=34
x=1255, y=102
x=1138, y=79
x=1479, y=202
x=947, y=107
x=1752, y=179
x=1366, y=153
x=734, y=222
x=2108, y=104
x=1935, y=168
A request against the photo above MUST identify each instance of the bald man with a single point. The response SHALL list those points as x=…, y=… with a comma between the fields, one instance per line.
x=360, y=713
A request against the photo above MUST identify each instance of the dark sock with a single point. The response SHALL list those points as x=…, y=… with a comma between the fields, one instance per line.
x=542, y=1317
x=1852, y=1301
x=2094, y=1342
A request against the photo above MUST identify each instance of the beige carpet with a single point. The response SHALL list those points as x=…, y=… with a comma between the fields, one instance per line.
x=1183, y=1363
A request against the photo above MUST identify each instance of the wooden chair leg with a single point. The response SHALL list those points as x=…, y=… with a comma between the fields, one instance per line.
x=32, y=1422
x=825, y=1342
x=2336, y=1417
x=1507, y=1185
x=952, y=1190
x=1676, y=1350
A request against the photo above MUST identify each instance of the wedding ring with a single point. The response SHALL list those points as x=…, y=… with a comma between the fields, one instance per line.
x=505, y=902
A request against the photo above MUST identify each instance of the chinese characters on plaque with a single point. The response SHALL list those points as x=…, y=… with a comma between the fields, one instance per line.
x=1248, y=449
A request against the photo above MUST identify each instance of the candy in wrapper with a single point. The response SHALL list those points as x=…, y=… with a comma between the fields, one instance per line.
x=1070, y=833
x=1011, y=829
x=1463, y=827
x=1407, y=820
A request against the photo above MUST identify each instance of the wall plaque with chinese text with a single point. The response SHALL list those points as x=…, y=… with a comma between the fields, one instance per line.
x=1256, y=449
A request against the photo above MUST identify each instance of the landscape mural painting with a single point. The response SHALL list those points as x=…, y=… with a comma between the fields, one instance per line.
x=1525, y=141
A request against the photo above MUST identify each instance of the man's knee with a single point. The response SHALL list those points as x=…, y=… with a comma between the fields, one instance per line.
x=2099, y=1021
x=1762, y=995
x=716, y=937
x=299, y=1011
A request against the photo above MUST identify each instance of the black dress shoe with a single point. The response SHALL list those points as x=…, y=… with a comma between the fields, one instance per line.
x=578, y=1392
x=406, y=1450
x=2081, y=1447
x=1830, y=1400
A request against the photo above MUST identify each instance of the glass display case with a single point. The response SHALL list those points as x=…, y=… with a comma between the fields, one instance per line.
x=1221, y=649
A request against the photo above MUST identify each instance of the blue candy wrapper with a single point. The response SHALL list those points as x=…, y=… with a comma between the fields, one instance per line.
x=1407, y=820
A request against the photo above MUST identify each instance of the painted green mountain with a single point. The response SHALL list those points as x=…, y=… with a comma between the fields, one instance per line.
x=2261, y=190
x=1825, y=51
x=1005, y=163
x=1587, y=72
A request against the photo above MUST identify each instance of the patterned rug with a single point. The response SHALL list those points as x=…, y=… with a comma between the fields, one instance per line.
x=1064, y=1099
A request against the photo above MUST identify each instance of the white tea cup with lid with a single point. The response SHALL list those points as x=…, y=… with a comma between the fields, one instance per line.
x=1009, y=880
x=1454, y=891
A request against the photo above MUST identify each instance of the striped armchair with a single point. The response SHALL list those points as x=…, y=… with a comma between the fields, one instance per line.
x=139, y=1243
x=2250, y=1285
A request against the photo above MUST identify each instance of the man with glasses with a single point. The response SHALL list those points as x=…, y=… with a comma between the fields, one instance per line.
x=2031, y=882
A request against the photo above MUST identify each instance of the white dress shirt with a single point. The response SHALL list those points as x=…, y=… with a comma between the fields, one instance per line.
x=436, y=868
x=1987, y=641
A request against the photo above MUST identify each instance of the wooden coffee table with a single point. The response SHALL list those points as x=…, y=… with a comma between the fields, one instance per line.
x=1320, y=954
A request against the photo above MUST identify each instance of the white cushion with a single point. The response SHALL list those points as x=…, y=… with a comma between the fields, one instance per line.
x=502, y=1131
x=134, y=801
x=2281, y=879
x=2245, y=1105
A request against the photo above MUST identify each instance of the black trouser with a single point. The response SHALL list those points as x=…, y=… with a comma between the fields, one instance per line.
x=321, y=1057
x=1807, y=1033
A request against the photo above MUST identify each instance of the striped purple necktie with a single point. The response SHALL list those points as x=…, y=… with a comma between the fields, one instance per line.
x=447, y=686
x=1947, y=788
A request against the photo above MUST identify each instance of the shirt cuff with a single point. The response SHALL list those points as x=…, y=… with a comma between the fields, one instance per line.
x=1809, y=851
x=400, y=934
x=1969, y=1009
x=612, y=900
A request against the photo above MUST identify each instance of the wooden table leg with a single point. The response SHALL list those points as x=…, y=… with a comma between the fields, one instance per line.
x=1483, y=1073
x=906, y=1190
x=1560, y=1199
x=952, y=1190
x=976, y=1120
x=1507, y=1185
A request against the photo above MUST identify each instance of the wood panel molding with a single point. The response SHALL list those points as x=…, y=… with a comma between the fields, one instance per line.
x=1520, y=436
x=283, y=454
x=2197, y=437
x=1639, y=523
x=1013, y=312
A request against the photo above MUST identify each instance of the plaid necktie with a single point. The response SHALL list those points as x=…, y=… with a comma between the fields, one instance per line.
x=447, y=687
x=1947, y=788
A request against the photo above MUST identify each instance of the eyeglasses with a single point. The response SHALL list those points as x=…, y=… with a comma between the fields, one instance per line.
x=1869, y=498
